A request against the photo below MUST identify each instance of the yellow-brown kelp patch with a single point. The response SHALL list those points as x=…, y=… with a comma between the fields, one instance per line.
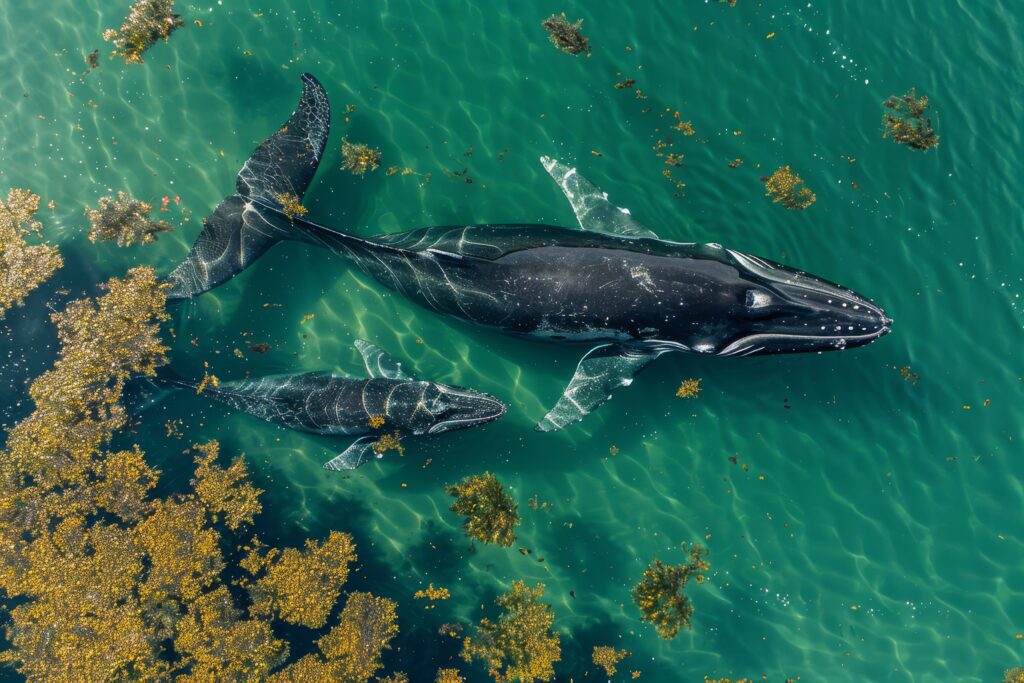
x=690, y=388
x=359, y=159
x=907, y=123
x=520, y=646
x=608, y=658
x=566, y=36
x=491, y=514
x=124, y=220
x=449, y=676
x=23, y=266
x=103, y=581
x=788, y=188
x=1014, y=675
x=350, y=651
x=291, y=205
x=659, y=594
x=300, y=586
x=148, y=21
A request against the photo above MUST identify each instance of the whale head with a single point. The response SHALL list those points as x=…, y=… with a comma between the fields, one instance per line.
x=777, y=309
x=458, y=408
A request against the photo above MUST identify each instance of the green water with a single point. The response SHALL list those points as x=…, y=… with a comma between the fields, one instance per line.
x=870, y=529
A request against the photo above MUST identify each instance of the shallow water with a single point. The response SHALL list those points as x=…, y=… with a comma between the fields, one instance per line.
x=870, y=529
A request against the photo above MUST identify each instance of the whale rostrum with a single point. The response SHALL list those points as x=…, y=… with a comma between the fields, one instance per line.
x=613, y=284
x=379, y=410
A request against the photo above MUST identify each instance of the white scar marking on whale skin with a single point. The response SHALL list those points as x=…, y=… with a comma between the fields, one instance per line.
x=643, y=279
x=759, y=299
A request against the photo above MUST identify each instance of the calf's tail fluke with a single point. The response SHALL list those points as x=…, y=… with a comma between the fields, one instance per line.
x=250, y=221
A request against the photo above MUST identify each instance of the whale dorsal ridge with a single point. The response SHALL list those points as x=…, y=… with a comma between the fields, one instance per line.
x=591, y=206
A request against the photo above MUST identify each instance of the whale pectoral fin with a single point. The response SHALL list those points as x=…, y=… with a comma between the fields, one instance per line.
x=355, y=455
x=591, y=205
x=378, y=363
x=601, y=371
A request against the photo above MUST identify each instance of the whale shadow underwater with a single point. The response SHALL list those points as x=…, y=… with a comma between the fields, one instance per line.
x=613, y=284
x=380, y=409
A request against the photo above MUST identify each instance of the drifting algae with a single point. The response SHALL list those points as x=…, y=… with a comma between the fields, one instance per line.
x=291, y=205
x=659, y=594
x=608, y=658
x=1014, y=675
x=491, y=514
x=566, y=36
x=358, y=158
x=788, y=188
x=907, y=123
x=23, y=266
x=148, y=22
x=124, y=220
x=520, y=646
x=449, y=676
x=101, y=580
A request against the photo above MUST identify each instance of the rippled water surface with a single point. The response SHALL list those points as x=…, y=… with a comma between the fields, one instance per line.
x=860, y=527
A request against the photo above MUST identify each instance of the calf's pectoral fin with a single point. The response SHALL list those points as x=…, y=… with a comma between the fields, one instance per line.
x=378, y=362
x=601, y=371
x=591, y=205
x=355, y=455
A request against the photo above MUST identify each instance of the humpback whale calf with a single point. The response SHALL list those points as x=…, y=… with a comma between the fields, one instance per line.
x=613, y=284
x=379, y=410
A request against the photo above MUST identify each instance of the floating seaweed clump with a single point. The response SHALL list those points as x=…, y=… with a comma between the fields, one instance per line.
x=1014, y=675
x=788, y=188
x=125, y=220
x=432, y=594
x=148, y=22
x=491, y=514
x=912, y=377
x=449, y=676
x=291, y=205
x=566, y=36
x=300, y=586
x=23, y=266
x=608, y=658
x=689, y=388
x=907, y=123
x=359, y=158
x=659, y=594
x=102, y=581
x=520, y=646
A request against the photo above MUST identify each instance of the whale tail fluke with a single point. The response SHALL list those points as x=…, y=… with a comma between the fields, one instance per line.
x=170, y=379
x=143, y=394
x=253, y=219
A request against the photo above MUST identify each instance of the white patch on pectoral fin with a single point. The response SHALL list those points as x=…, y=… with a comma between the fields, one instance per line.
x=593, y=210
x=378, y=363
x=601, y=371
x=355, y=455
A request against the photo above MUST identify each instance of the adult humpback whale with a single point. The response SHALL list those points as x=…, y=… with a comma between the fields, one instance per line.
x=389, y=405
x=613, y=284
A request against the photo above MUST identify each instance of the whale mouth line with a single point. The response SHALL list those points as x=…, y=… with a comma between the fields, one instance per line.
x=448, y=425
x=749, y=344
x=496, y=409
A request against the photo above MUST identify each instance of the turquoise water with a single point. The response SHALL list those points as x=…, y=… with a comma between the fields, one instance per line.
x=870, y=529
